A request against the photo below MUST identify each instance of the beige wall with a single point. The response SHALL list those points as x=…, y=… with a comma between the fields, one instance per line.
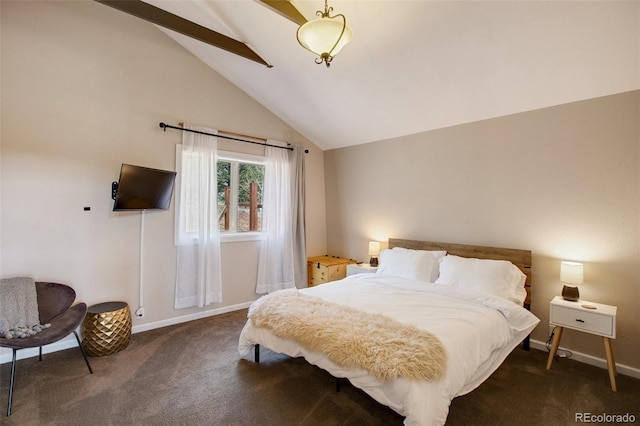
x=561, y=181
x=83, y=90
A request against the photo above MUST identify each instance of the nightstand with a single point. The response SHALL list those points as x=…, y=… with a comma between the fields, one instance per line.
x=360, y=268
x=322, y=269
x=589, y=317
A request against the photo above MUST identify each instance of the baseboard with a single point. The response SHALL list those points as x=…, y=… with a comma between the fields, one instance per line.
x=190, y=317
x=591, y=360
x=70, y=341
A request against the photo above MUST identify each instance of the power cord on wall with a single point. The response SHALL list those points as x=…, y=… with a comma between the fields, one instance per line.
x=562, y=353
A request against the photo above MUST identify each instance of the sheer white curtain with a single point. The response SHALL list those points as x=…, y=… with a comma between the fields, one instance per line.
x=280, y=245
x=198, y=277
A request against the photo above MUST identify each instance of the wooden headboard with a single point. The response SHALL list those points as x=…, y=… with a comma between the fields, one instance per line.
x=520, y=258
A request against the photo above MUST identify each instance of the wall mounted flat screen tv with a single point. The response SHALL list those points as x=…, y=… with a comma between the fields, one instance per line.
x=142, y=188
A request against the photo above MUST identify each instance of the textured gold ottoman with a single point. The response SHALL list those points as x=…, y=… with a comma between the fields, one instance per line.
x=106, y=329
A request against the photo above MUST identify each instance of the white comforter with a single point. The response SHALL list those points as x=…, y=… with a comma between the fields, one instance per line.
x=477, y=330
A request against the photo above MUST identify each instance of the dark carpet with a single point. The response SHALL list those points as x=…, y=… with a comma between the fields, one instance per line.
x=192, y=374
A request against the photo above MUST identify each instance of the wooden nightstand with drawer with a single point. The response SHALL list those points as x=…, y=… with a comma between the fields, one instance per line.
x=323, y=269
x=589, y=317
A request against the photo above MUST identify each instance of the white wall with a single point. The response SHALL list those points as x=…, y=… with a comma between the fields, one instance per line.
x=83, y=89
x=561, y=181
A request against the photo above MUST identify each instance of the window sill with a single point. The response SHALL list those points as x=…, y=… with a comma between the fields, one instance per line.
x=240, y=236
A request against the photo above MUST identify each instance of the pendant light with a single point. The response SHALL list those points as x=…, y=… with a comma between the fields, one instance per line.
x=325, y=36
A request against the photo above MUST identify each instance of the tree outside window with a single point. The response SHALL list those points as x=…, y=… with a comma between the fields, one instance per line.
x=240, y=186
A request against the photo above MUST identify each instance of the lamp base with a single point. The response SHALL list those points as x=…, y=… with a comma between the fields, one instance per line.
x=570, y=293
x=373, y=261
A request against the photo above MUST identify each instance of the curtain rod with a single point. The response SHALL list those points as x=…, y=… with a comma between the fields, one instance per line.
x=165, y=126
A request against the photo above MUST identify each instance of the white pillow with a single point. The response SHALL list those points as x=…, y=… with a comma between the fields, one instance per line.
x=497, y=277
x=420, y=265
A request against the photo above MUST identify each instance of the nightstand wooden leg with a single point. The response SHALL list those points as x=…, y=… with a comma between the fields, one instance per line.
x=610, y=362
x=613, y=358
x=554, y=346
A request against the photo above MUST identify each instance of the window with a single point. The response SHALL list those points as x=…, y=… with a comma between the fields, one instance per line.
x=239, y=198
x=240, y=184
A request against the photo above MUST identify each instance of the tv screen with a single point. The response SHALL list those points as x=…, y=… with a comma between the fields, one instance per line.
x=142, y=188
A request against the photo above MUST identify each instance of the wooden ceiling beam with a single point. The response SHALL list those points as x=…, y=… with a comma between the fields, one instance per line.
x=286, y=9
x=183, y=26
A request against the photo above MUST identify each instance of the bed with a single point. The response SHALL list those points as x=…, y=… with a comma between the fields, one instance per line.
x=433, y=323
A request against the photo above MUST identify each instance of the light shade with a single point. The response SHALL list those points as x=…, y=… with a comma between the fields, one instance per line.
x=374, y=248
x=571, y=272
x=325, y=36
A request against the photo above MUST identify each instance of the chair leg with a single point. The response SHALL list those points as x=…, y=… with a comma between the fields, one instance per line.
x=40, y=351
x=13, y=369
x=84, y=355
x=13, y=373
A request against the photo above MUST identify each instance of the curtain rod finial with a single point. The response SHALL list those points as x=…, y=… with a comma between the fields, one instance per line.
x=163, y=126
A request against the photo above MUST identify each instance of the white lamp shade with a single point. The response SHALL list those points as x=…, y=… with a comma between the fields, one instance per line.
x=374, y=248
x=571, y=272
x=320, y=35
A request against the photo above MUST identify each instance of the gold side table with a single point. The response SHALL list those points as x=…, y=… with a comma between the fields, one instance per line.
x=106, y=329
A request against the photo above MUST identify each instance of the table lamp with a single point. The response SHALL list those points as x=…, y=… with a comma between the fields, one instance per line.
x=374, y=251
x=571, y=273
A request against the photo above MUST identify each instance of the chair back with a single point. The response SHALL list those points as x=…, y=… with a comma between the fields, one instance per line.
x=53, y=299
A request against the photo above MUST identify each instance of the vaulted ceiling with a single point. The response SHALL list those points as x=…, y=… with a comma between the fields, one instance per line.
x=414, y=66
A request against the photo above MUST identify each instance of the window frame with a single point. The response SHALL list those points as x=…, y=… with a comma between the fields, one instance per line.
x=235, y=158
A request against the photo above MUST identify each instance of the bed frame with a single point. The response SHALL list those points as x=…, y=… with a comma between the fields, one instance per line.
x=520, y=258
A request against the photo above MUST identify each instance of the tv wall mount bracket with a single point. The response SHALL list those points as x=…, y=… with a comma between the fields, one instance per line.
x=114, y=190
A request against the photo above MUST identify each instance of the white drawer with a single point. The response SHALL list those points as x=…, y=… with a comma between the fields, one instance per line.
x=580, y=319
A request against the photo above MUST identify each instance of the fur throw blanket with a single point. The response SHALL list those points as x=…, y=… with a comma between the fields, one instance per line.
x=19, y=308
x=385, y=348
